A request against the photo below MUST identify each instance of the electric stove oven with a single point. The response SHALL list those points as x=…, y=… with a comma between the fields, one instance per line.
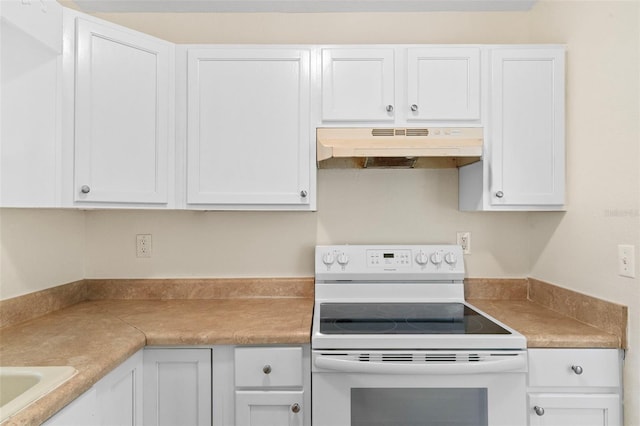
x=394, y=343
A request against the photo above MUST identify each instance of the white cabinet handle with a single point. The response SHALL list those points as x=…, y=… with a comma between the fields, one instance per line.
x=539, y=410
x=577, y=369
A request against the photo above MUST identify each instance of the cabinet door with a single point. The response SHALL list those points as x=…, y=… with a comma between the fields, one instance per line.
x=574, y=410
x=122, y=115
x=83, y=411
x=177, y=387
x=358, y=84
x=248, y=127
x=269, y=408
x=443, y=84
x=120, y=394
x=527, y=127
x=30, y=105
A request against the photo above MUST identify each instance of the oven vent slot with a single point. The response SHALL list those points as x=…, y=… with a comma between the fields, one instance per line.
x=422, y=358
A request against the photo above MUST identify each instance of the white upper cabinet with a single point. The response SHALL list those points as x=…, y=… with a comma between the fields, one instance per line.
x=524, y=163
x=31, y=103
x=527, y=127
x=401, y=85
x=443, y=83
x=358, y=84
x=248, y=131
x=123, y=115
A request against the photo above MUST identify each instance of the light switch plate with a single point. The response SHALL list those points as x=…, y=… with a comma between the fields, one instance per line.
x=626, y=261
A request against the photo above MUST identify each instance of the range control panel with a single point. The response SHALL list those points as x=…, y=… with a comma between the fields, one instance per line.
x=388, y=258
x=406, y=262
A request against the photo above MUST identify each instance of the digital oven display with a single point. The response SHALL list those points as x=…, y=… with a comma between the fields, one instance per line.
x=388, y=255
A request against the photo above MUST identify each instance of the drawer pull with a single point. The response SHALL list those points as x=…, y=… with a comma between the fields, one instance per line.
x=266, y=369
x=539, y=410
x=577, y=369
x=295, y=408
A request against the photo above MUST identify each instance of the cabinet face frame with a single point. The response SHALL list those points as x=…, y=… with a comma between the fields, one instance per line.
x=299, y=194
x=142, y=135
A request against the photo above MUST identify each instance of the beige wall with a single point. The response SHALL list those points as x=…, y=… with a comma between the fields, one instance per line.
x=576, y=249
x=579, y=250
x=354, y=206
x=40, y=249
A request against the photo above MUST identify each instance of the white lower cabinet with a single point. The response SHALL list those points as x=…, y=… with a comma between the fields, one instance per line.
x=116, y=400
x=574, y=409
x=272, y=386
x=177, y=386
x=83, y=411
x=575, y=387
x=171, y=386
x=269, y=408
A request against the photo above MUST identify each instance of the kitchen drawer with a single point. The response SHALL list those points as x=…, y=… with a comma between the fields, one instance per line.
x=268, y=367
x=554, y=367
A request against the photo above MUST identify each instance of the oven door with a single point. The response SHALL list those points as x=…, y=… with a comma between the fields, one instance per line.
x=426, y=388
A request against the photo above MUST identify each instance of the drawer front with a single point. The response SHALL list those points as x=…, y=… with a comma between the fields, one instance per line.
x=574, y=367
x=268, y=367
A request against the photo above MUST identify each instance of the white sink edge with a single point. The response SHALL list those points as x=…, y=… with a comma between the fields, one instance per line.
x=50, y=378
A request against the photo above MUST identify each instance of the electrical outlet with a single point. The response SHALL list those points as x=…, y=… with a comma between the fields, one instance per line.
x=464, y=239
x=143, y=245
x=626, y=261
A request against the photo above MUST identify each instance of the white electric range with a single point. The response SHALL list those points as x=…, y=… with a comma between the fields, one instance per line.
x=395, y=343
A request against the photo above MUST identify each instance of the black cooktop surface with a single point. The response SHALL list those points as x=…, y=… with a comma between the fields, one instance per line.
x=404, y=318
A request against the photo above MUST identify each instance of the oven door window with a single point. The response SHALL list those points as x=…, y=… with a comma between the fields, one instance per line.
x=424, y=407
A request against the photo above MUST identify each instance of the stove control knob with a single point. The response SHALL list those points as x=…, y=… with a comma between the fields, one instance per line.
x=422, y=258
x=436, y=258
x=450, y=258
x=328, y=258
x=343, y=259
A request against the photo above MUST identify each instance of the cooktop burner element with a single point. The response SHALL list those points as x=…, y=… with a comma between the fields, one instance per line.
x=404, y=318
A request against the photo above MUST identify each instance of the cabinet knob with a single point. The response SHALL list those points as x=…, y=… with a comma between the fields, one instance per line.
x=295, y=408
x=499, y=194
x=266, y=369
x=577, y=369
x=389, y=108
x=414, y=107
x=303, y=194
x=539, y=410
x=85, y=189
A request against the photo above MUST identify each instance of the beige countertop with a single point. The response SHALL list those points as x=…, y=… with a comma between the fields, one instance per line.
x=95, y=336
x=545, y=328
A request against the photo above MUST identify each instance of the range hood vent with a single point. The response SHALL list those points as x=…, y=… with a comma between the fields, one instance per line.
x=398, y=147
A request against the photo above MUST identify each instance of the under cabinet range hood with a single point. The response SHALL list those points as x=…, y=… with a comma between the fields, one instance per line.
x=398, y=147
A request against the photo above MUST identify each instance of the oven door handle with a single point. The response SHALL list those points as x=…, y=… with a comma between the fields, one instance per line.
x=506, y=364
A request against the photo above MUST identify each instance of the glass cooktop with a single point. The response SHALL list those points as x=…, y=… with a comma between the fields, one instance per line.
x=404, y=318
